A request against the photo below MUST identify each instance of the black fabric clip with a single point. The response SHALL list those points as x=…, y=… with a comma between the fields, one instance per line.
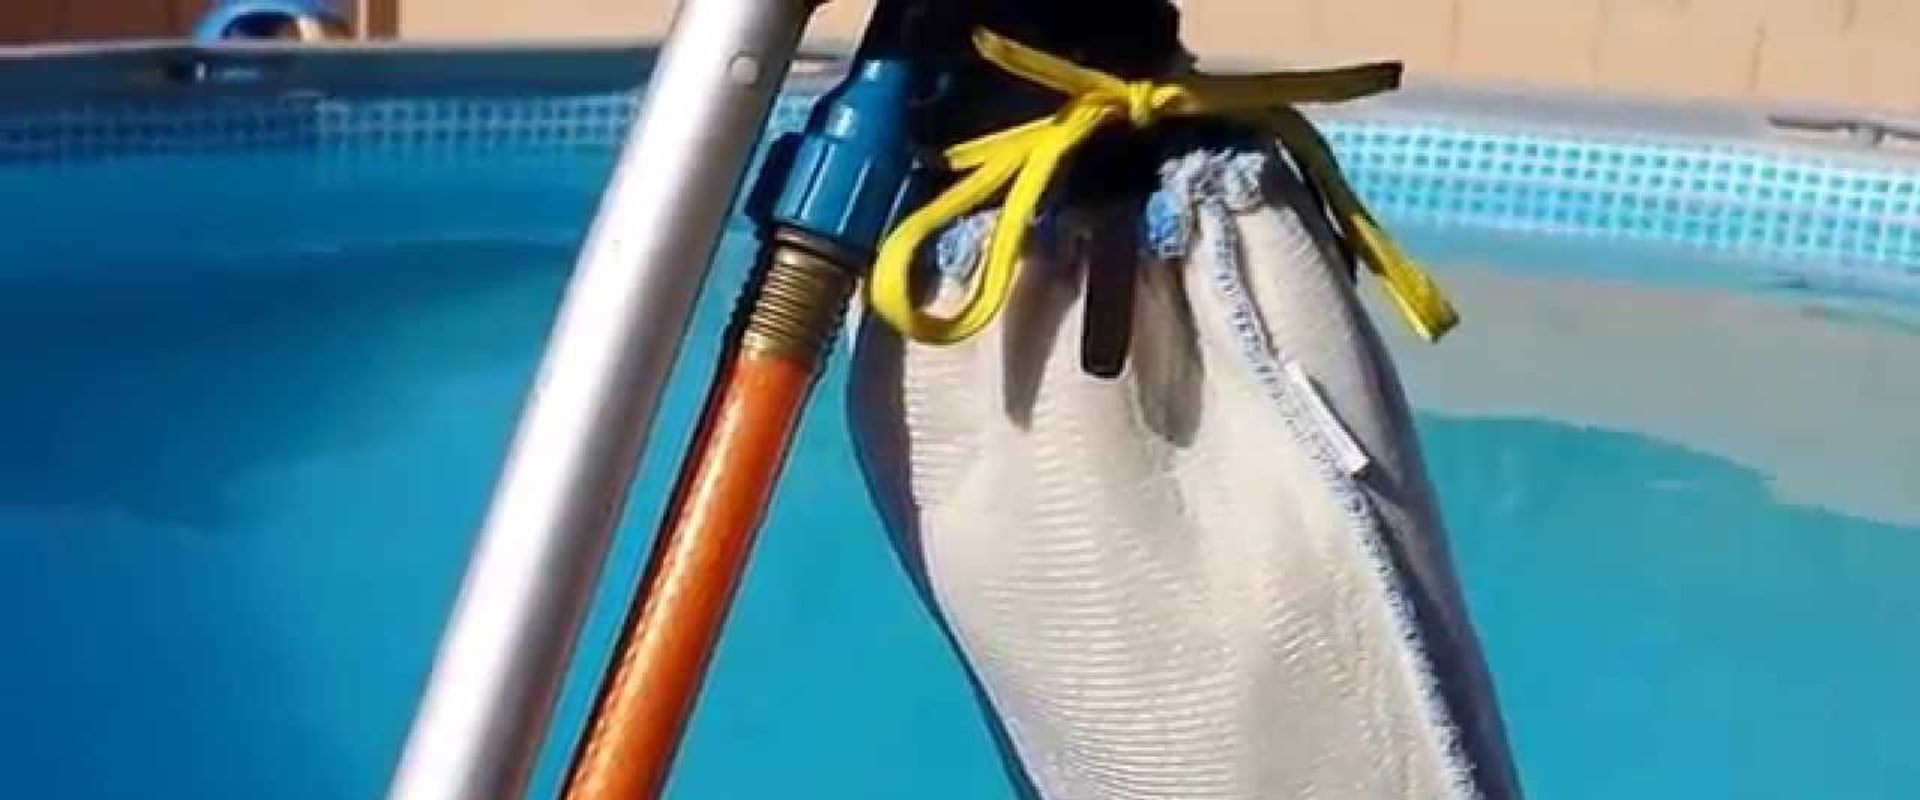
x=1109, y=259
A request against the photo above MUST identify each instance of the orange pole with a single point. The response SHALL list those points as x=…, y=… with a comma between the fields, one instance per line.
x=746, y=429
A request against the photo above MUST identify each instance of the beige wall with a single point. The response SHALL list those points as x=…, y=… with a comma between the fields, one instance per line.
x=1864, y=52
x=536, y=19
x=31, y=21
x=1856, y=52
x=23, y=21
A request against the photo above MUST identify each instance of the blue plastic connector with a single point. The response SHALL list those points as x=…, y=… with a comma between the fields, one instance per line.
x=847, y=175
x=255, y=19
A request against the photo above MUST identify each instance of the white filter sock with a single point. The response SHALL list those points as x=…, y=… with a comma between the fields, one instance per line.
x=1216, y=577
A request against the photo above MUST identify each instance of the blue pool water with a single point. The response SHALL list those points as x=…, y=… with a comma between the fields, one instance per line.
x=244, y=462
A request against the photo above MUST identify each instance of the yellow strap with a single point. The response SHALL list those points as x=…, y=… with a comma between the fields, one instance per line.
x=1420, y=300
x=1027, y=156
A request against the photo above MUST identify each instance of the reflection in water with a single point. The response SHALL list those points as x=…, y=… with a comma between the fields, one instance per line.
x=236, y=503
x=1662, y=627
x=149, y=395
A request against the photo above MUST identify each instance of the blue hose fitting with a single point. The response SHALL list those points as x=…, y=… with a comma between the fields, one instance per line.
x=257, y=19
x=846, y=176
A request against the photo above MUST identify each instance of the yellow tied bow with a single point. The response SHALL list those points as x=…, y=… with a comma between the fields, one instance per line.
x=1028, y=156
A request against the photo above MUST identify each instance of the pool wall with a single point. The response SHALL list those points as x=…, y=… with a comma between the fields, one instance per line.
x=1834, y=209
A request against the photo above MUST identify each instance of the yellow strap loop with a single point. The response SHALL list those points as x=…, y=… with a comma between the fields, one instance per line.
x=1027, y=156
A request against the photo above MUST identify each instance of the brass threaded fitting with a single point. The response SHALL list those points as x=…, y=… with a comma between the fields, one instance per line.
x=796, y=299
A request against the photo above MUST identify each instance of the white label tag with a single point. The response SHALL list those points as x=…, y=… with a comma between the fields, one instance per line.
x=1347, y=451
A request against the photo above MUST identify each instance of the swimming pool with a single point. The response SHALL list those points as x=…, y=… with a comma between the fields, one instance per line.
x=267, y=348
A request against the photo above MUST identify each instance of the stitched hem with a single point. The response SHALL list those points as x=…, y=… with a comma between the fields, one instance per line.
x=1222, y=185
